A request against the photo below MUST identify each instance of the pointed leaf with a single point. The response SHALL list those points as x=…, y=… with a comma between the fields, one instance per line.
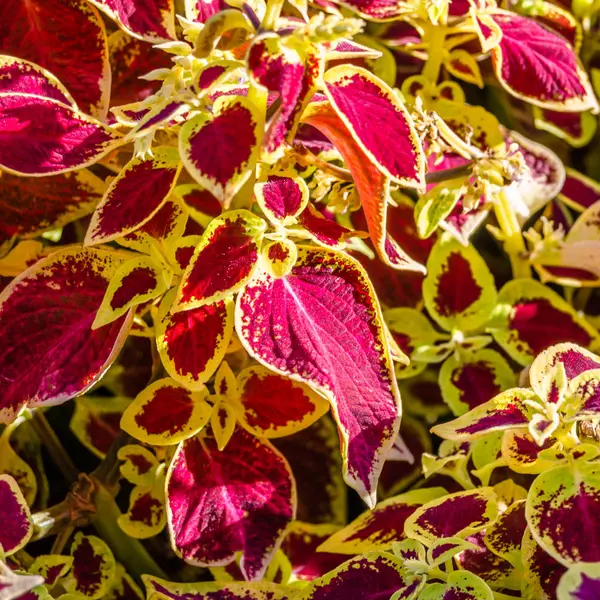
x=232, y=134
x=165, y=413
x=536, y=65
x=281, y=198
x=134, y=196
x=192, y=343
x=454, y=515
x=326, y=232
x=51, y=360
x=223, y=261
x=459, y=290
x=530, y=317
x=381, y=527
x=221, y=503
x=364, y=102
x=275, y=406
x=40, y=136
x=17, y=524
x=68, y=38
x=150, y=20
x=297, y=325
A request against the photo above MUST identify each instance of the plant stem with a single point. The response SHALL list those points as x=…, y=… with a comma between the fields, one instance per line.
x=447, y=174
x=50, y=440
x=306, y=157
x=127, y=550
x=436, y=51
x=514, y=244
x=272, y=14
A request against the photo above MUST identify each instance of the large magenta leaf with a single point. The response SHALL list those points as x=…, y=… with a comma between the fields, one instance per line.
x=50, y=353
x=68, y=38
x=219, y=503
x=539, y=66
x=40, y=136
x=322, y=325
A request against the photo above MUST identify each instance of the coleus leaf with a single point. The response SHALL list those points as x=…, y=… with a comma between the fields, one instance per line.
x=473, y=378
x=377, y=10
x=460, y=585
x=371, y=184
x=158, y=589
x=223, y=261
x=136, y=281
x=323, y=230
x=580, y=581
x=48, y=361
x=150, y=20
x=505, y=535
x=17, y=526
x=296, y=325
x=453, y=515
x=200, y=10
x=282, y=198
x=134, y=196
x=18, y=76
x=558, y=19
x=233, y=134
x=43, y=32
x=93, y=567
x=508, y=410
x=577, y=129
x=374, y=576
x=95, y=422
x=279, y=257
x=139, y=465
x=41, y=136
x=459, y=290
x=146, y=515
x=364, y=103
x=578, y=191
x=131, y=58
x=562, y=512
x=166, y=413
x=292, y=71
x=238, y=500
x=380, y=528
x=300, y=547
x=29, y=206
x=536, y=65
x=521, y=452
x=51, y=567
x=541, y=572
x=275, y=406
x=530, y=317
x=124, y=587
x=316, y=462
x=206, y=329
x=13, y=465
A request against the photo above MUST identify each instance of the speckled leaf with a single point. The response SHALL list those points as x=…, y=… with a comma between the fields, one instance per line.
x=459, y=290
x=40, y=136
x=541, y=572
x=223, y=261
x=521, y=452
x=463, y=585
x=59, y=358
x=30, y=206
x=135, y=282
x=505, y=535
x=378, y=529
x=562, y=512
x=192, y=343
x=297, y=324
x=134, y=196
x=454, y=515
x=232, y=134
x=66, y=37
x=146, y=515
x=530, y=317
x=17, y=525
x=579, y=582
x=51, y=567
x=536, y=65
x=139, y=465
x=221, y=503
x=474, y=378
x=93, y=567
x=275, y=406
x=150, y=20
x=166, y=413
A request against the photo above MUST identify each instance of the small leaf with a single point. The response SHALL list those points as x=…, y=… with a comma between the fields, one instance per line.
x=93, y=567
x=146, y=514
x=139, y=466
x=51, y=567
x=282, y=199
x=222, y=422
x=17, y=526
x=436, y=205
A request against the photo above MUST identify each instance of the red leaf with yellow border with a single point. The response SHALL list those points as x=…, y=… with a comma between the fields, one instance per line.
x=51, y=354
x=17, y=525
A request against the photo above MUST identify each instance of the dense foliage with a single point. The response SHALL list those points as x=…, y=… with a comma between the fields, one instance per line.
x=233, y=234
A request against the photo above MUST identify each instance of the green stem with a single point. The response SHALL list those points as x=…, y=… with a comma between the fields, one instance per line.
x=447, y=174
x=272, y=14
x=436, y=39
x=127, y=550
x=50, y=440
x=514, y=244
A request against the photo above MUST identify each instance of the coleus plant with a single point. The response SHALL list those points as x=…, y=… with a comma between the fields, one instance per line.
x=233, y=234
